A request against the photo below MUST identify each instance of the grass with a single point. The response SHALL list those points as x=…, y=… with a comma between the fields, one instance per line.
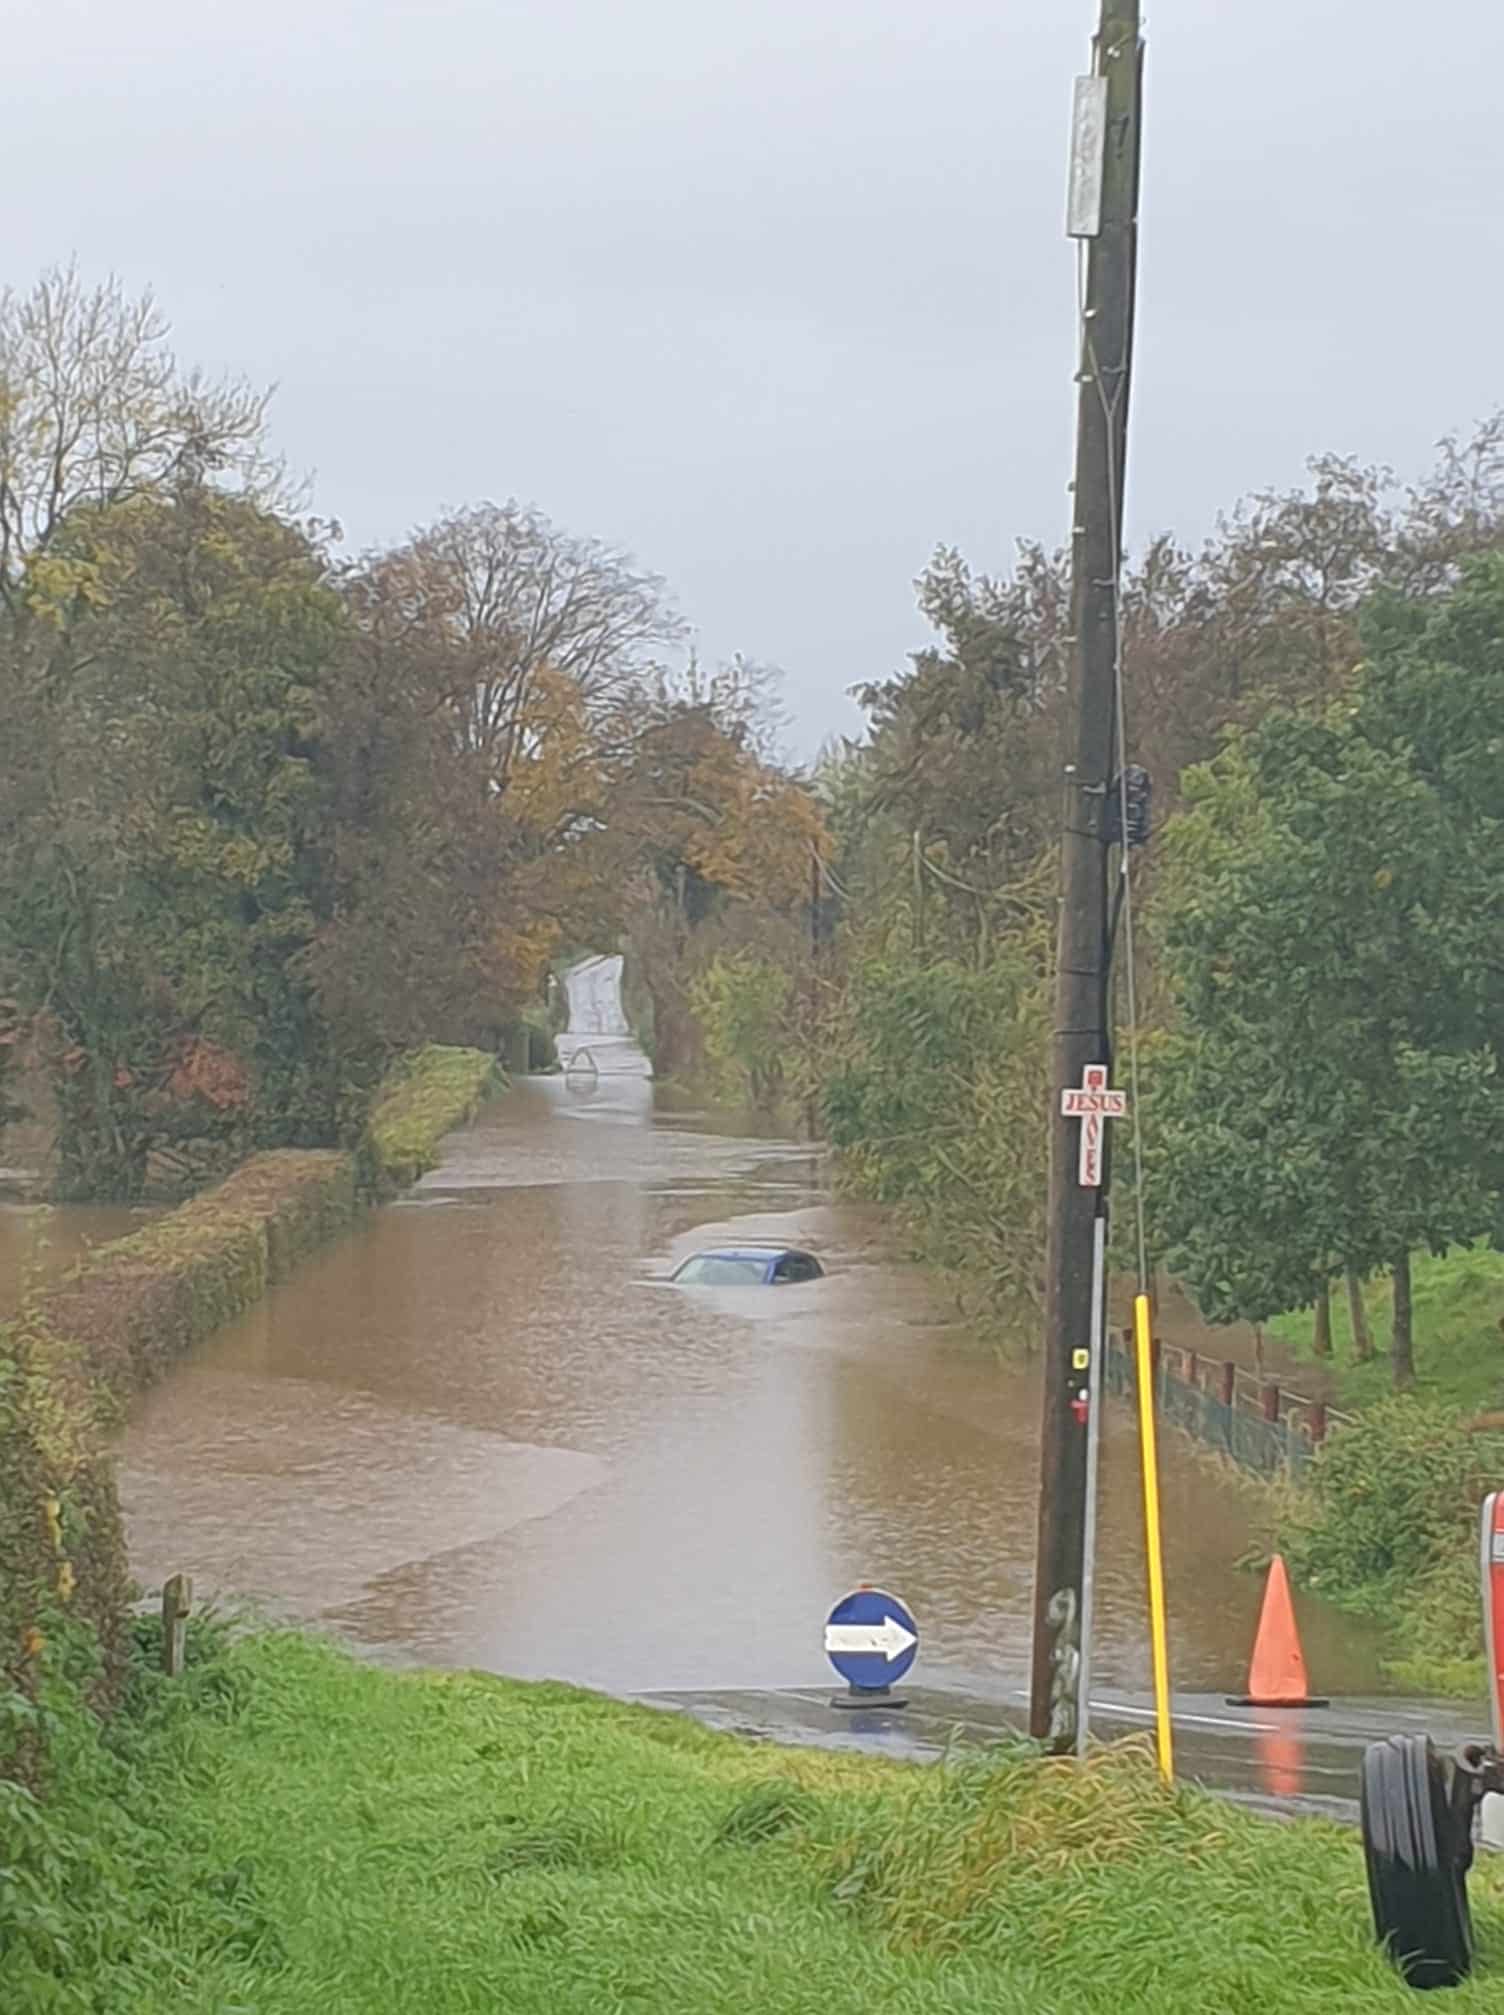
x=287, y=1830
x=1459, y=1333
x=431, y=1093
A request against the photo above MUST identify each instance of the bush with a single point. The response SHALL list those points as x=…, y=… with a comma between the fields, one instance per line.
x=1389, y=1497
x=1387, y=1522
x=428, y=1095
x=137, y=1303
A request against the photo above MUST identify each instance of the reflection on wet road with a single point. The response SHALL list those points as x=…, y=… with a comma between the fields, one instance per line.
x=481, y=1431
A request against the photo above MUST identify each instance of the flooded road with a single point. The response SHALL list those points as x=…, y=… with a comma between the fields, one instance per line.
x=38, y=1241
x=482, y=1431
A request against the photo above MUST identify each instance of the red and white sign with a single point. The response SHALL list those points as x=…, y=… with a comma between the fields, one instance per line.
x=1093, y=1104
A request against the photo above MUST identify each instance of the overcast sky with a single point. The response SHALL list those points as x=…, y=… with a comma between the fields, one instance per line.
x=776, y=295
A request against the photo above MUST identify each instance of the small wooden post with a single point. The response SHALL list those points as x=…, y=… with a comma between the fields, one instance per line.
x=1229, y=1382
x=1316, y=1421
x=177, y=1604
x=1270, y=1397
x=1193, y=1369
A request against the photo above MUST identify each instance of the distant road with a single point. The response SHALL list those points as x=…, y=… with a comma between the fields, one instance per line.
x=598, y=1031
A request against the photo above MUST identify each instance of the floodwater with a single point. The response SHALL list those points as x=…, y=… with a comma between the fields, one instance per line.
x=40, y=1241
x=482, y=1431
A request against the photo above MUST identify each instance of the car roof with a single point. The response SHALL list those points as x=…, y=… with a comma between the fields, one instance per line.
x=752, y=1252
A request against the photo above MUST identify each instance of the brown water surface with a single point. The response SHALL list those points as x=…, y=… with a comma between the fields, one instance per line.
x=483, y=1431
x=40, y=1241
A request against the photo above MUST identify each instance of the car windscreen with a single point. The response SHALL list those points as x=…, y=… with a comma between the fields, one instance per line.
x=713, y=1269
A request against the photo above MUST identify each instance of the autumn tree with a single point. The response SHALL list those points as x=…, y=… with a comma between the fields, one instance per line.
x=496, y=599
x=722, y=846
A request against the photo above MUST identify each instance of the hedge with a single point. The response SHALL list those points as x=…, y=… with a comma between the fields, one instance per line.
x=73, y=1357
x=427, y=1096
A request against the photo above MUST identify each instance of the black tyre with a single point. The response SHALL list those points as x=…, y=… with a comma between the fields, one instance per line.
x=1417, y=1857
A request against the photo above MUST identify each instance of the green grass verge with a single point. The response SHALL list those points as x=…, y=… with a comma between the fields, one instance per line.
x=428, y=1095
x=286, y=1830
x=1459, y=1333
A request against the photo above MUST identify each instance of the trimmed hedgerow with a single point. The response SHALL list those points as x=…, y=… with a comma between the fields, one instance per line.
x=72, y=1357
x=139, y=1302
x=75, y=1354
x=428, y=1095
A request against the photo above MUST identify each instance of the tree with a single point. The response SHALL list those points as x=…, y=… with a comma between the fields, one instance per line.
x=95, y=411
x=495, y=599
x=742, y=1004
x=936, y=1094
x=155, y=830
x=716, y=848
x=1324, y=1102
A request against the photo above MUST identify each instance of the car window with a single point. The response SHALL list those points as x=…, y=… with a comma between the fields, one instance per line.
x=711, y=1269
x=786, y=1270
x=809, y=1269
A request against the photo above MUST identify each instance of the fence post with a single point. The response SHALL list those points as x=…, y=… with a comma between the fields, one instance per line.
x=1229, y=1383
x=1270, y=1398
x=1316, y=1422
x=177, y=1602
x=1193, y=1369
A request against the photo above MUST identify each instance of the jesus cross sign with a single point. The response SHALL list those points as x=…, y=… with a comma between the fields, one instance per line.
x=1093, y=1104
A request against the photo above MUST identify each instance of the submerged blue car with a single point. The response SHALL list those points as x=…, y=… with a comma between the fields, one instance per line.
x=748, y=1266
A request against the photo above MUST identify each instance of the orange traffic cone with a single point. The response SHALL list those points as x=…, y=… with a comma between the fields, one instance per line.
x=1277, y=1676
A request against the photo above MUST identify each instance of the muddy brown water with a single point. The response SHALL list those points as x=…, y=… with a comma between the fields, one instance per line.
x=39, y=1241
x=482, y=1431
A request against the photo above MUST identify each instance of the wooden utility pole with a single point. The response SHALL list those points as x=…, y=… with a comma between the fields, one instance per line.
x=1104, y=207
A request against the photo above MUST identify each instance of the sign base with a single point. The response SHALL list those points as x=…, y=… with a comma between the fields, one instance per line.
x=1252, y=1700
x=868, y=1696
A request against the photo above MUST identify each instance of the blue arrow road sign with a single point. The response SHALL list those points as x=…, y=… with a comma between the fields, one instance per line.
x=871, y=1639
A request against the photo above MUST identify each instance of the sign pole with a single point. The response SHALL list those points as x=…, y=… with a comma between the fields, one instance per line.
x=1094, y=1398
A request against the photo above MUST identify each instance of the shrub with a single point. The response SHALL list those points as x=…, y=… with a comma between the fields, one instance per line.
x=1387, y=1522
x=1388, y=1498
x=428, y=1095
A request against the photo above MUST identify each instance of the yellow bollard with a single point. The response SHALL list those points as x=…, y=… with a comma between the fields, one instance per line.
x=1150, y=1457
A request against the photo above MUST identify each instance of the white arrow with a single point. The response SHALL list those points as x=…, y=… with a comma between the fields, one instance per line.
x=889, y=1637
